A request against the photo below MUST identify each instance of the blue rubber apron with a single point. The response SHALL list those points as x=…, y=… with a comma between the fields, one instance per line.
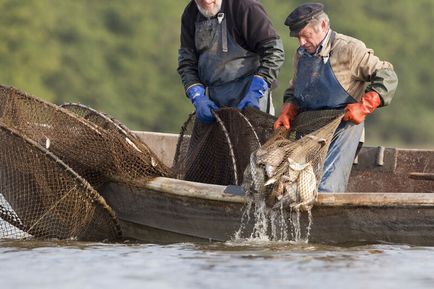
x=317, y=88
x=224, y=67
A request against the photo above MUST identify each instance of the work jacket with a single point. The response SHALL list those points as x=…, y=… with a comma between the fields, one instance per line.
x=355, y=66
x=241, y=42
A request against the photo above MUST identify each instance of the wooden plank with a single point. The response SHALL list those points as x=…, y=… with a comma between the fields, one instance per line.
x=422, y=176
x=217, y=193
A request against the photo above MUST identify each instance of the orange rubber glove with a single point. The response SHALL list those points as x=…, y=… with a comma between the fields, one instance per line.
x=288, y=113
x=356, y=112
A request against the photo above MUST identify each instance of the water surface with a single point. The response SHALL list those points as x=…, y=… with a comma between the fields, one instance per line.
x=71, y=264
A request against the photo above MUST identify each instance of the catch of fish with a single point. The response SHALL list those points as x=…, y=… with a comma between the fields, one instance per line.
x=281, y=175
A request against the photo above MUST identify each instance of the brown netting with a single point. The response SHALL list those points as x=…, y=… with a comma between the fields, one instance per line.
x=142, y=163
x=50, y=152
x=95, y=149
x=39, y=200
x=242, y=148
x=287, y=169
x=42, y=197
x=218, y=153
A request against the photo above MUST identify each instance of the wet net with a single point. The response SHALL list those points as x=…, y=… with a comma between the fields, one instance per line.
x=287, y=169
x=219, y=153
x=90, y=144
x=55, y=159
x=279, y=170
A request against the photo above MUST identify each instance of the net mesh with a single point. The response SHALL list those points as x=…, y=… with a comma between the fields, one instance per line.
x=55, y=159
x=91, y=145
x=242, y=148
x=40, y=196
x=131, y=157
x=287, y=169
x=218, y=153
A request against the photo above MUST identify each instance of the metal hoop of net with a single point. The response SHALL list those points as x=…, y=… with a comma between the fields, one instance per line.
x=41, y=197
x=92, y=148
x=218, y=153
x=147, y=164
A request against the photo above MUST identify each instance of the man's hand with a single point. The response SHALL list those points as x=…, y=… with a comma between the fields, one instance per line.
x=256, y=90
x=288, y=113
x=204, y=106
x=356, y=112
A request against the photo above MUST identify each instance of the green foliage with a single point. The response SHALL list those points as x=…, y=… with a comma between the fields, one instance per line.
x=120, y=57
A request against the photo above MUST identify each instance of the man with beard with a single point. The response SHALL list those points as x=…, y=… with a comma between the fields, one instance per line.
x=229, y=56
x=334, y=71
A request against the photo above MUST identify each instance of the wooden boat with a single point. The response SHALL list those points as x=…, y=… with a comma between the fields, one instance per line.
x=390, y=199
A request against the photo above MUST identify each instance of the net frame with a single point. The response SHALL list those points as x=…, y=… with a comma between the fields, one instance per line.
x=228, y=141
x=38, y=206
x=116, y=129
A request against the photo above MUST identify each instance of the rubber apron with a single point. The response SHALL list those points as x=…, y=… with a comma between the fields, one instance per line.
x=224, y=67
x=316, y=88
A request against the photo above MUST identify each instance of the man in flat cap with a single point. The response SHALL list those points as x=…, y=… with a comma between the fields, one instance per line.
x=334, y=71
x=230, y=55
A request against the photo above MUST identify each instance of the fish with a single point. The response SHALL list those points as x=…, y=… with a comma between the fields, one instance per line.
x=270, y=157
x=288, y=198
x=321, y=140
x=307, y=189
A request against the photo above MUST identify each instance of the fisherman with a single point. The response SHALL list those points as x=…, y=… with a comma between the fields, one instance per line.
x=230, y=55
x=334, y=71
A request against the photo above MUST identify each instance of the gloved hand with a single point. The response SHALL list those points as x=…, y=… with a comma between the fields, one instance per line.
x=204, y=106
x=356, y=112
x=257, y=89
x=288, y=113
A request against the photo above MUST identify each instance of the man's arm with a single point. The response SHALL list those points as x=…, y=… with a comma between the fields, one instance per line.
x=272, y=57
x=379, y=75
x=260, y=37
x=187, y=67
x=187, y=55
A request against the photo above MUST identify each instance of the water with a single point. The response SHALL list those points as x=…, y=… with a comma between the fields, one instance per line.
x=30, y=264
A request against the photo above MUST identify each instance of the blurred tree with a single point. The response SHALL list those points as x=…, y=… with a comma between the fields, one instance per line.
x=120, y=57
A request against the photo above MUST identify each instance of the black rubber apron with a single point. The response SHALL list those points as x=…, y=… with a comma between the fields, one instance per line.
x=224, y=67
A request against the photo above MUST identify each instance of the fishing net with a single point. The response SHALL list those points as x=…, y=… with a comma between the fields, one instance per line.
x=94, y=149
x=40, y=196
x=279, y=170
x=133, y=162
x=54, y=159
x=92, y=145
x=218, y=153
x=287, y=169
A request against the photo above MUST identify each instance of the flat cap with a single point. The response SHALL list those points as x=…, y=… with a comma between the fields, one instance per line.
x=301, y=16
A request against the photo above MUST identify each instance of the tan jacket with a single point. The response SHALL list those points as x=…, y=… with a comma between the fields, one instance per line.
x=356, y=68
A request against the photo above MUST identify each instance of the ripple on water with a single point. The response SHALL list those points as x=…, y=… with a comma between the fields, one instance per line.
x=248, y=264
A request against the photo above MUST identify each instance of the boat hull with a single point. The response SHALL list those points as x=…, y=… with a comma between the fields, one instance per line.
x=167, y=210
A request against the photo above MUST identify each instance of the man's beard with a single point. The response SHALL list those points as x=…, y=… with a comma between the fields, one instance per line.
x=210, y=12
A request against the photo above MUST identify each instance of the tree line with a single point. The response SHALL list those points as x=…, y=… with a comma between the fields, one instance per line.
x=120, y=57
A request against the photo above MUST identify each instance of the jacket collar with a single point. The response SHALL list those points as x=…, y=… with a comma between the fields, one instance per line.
x=326, y=45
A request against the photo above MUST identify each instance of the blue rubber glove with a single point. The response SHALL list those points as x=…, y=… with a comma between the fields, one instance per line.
x=257, y=89
x=204, y=106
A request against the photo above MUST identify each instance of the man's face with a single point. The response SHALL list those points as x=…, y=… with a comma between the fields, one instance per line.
x=310, y=37
x=209, y=8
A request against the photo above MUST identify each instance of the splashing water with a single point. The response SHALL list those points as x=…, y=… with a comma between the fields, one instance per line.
x=277, y=224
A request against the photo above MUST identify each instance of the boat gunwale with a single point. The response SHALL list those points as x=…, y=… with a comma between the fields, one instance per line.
x=344, y=199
